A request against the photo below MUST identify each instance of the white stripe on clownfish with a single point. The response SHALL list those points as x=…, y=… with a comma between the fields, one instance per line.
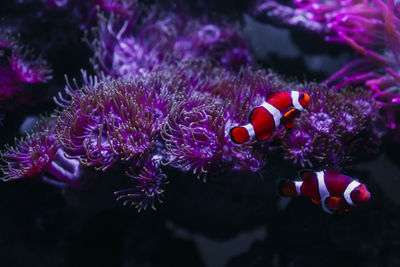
x=275, y=113
x=350, y=187
x=323, y=191
x=298, y=185
x=295, y=100
x=250, y=130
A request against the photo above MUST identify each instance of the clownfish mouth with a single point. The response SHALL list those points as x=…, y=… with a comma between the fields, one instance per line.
x=365, y=197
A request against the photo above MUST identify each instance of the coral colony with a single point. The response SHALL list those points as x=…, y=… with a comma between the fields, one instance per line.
x=170, y=86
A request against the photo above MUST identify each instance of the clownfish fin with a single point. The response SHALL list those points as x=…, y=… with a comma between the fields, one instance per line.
x=334, y=203
x=290, y=114
x=289, y=124
x=239, y=134
x=315, y=201
x=303, y=172
x=287, y=188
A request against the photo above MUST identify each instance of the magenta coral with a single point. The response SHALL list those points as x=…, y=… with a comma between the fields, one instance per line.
x=378, y=70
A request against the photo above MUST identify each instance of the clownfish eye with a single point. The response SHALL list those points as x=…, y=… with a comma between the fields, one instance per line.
x=301, y=96
x=357, y=192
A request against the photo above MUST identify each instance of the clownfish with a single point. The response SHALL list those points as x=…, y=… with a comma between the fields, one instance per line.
x=264, y=119
x=334, y=191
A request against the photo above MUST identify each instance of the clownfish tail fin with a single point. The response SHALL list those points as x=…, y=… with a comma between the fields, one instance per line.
x=289, y=188
x=239, y=134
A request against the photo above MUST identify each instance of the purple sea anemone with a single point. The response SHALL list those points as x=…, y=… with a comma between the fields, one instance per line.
x=111, y=121
x=31, y=155
x=193, y=134
x=27, y=70
x=149, y=180
x=18, y=67
x=36, y=153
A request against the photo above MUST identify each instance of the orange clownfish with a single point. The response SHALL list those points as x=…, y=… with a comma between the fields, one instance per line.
x=264, y=119
x=335, y=192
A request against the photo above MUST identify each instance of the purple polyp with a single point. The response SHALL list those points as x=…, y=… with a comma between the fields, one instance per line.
x=209, y=34
x=148, y=179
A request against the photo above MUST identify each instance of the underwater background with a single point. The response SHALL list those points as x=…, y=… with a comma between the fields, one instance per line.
x=189, y=62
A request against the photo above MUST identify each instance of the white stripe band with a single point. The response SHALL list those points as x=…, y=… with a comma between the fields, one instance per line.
x=298, y=186
x=250, y=130
x=323, y=191
x=295, y=100
x=276, y=114
x=348, y=191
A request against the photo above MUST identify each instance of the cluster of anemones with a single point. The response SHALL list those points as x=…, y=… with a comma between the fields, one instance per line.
x=175, y=116
x=124, y=47
x=172, y=115
x=112, y=120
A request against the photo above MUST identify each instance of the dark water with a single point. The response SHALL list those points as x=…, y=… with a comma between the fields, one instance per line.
x=228, y=221
x=235, y=221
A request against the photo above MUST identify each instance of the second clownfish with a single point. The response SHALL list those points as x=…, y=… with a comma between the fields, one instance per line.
x=335, y=192
x=280, y=108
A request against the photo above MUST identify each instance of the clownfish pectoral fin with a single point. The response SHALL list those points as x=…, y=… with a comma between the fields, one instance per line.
x=287, y=188
x=315, y=201
x=334, y=203
x=239, y=134
x=290, y=114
